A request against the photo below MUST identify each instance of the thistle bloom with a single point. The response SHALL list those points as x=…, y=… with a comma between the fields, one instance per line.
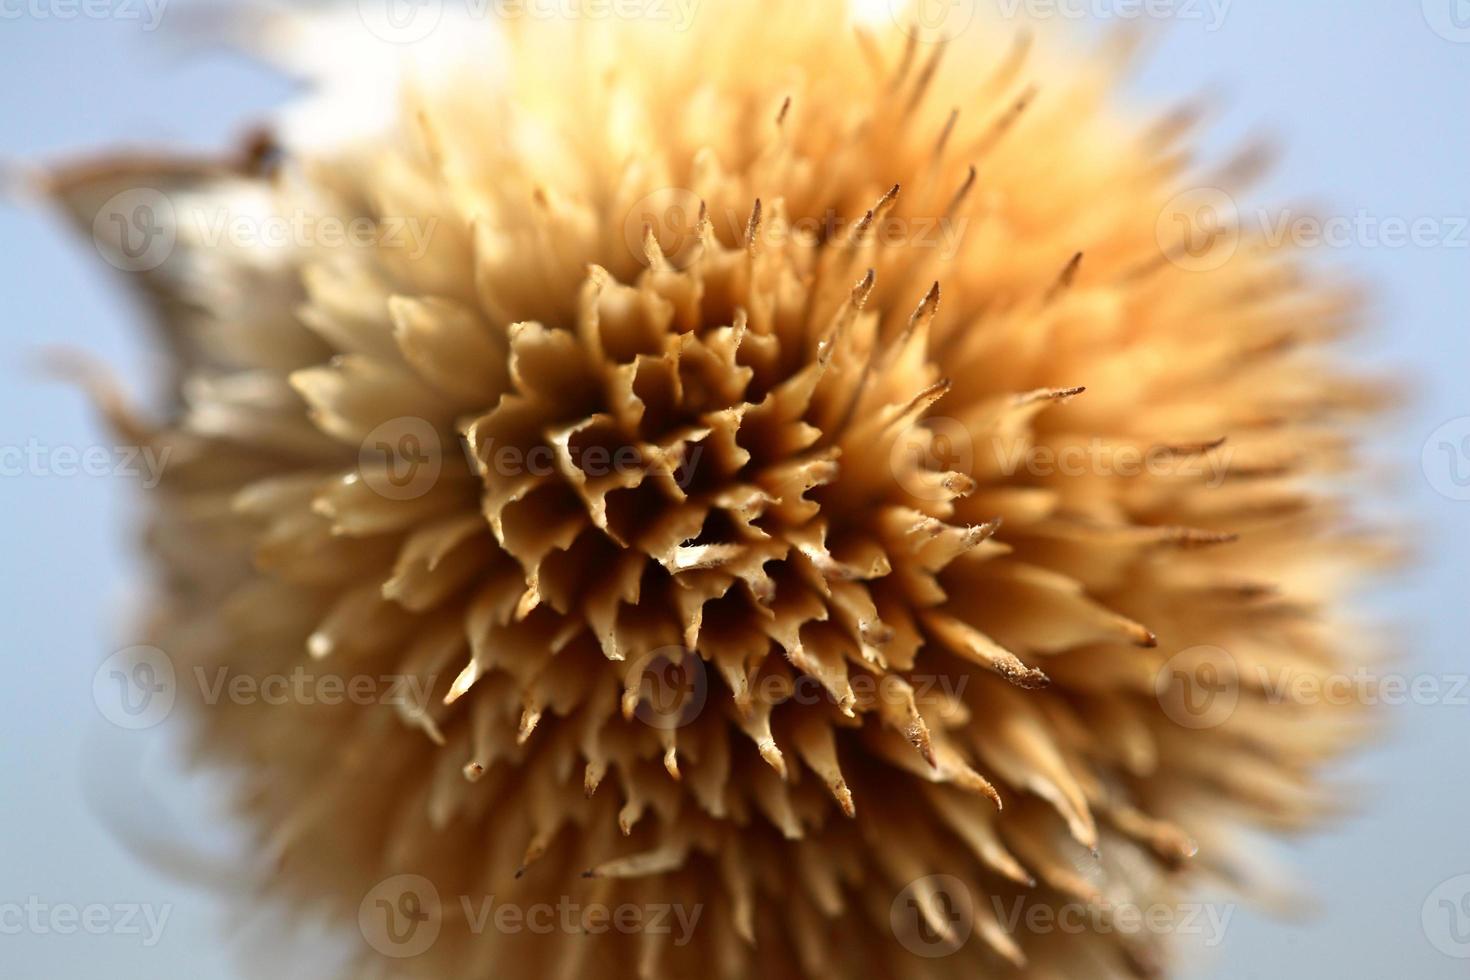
x=807, y=469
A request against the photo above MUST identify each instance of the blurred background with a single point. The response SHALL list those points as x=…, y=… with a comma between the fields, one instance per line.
x=1367, y=101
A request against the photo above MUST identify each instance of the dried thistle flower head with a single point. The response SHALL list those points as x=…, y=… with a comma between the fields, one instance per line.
x=696, y=421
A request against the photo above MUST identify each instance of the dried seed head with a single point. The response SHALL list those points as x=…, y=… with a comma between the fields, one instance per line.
x=696, y=420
